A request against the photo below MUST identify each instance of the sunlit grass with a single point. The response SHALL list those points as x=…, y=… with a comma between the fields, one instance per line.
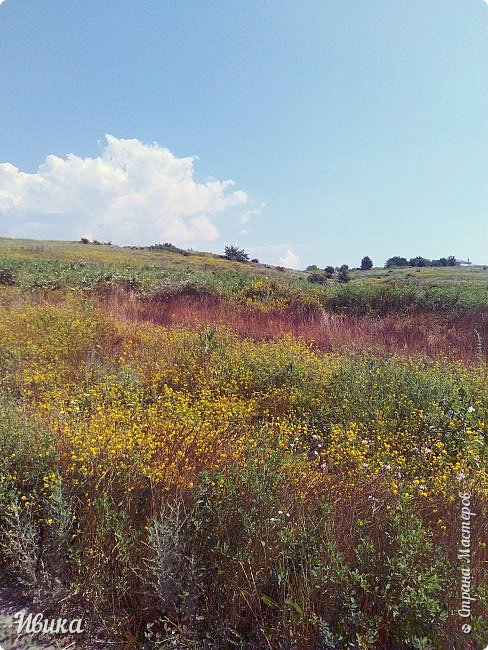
x=252, y=437
x=205, y=459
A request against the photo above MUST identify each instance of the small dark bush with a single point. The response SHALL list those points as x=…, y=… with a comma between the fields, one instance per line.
x=318, y=278
x=6, y=277
x=343, y=274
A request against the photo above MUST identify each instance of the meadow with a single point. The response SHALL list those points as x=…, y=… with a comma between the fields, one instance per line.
x=196, y=453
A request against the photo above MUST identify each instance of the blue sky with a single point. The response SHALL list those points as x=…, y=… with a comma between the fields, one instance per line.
x=349, y=129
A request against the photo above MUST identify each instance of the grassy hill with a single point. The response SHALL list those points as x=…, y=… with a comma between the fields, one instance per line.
x=32, y=264
x=128, y=256
x=132, y=256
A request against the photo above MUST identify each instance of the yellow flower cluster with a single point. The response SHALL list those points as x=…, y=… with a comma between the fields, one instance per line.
x=416, y=458
x=145, y=403
x=167, y=436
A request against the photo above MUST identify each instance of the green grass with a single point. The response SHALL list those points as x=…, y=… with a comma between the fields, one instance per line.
x=116, y=256
x=448, y=275
x=57, y=265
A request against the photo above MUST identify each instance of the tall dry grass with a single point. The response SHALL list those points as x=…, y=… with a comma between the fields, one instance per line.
x=463, y=337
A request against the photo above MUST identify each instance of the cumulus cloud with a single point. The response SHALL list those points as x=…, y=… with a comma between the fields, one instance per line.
x=289, y=260
x=281, y=254
x=131, y=193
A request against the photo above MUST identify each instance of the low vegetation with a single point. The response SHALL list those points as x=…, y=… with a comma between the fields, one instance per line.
x=187, y=478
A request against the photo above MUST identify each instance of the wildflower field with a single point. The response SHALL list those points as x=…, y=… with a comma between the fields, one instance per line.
x=241, y=461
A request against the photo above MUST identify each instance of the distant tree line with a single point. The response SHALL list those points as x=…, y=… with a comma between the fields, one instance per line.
x=420, y=261
x=319, y=276
x=339, y=273
x=85, y=240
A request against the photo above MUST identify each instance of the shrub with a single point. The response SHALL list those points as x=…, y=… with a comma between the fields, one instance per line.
x=318, y=278
x=236, y=254
x=366, y=264
x=419, y=261
x=6, y=277
x=170, y=248
x=343, y=274
x=396, y=261
x=440, y=262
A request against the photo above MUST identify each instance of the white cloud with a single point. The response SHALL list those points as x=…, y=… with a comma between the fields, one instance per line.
x=289, y=260
x=247, y=216
x=131, y=193
x=273, y=253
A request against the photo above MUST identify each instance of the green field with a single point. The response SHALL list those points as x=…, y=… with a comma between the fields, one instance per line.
x=72, y=265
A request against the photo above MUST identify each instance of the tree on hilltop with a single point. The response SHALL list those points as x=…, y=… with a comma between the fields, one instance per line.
x=236, y=254
x=366, y=263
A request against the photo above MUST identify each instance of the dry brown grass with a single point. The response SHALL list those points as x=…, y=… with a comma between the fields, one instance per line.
x=459, y=338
